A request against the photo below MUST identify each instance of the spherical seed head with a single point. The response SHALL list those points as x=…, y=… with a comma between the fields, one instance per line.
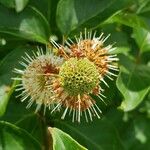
x=37, y=79
x=78, y=76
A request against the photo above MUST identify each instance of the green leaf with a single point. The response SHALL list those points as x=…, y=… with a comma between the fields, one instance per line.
x=19, y=5
x=97, y=135
x=129, y=19
x=26, y=119
x=76, y=13
x=33, y=124
x=5, y=93
x=142, y=38
x=136, y=133
x=48, y=9
x=133, y=129
x=61, y=140
x=14, y=138
x=121, y=49
x=29, y=24
x=133, y=82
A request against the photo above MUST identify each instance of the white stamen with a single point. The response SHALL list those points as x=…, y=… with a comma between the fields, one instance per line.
x=68, y=43
x=86, y=118
x=79, y=109
x=18, y=71
x=90, y=114
x=24, y=98
x=55, y=44
x=98, y=108
x=102, y=95
x=45, y=109
x=96, y=112
x=26, y=59
x=58, y=105
x=105, y=38
x=70, y=111
x=18, y=85
x=112, y=49
x=99, y=38
x=29, y=105
x=29, y=57
x=37, y=108
x=104, y=82
x=101, y=99
x=70, y=40
x=112, y=59
x=85, y=33
x=73, y=115
x=19, y=89
x=94, y=34
x=64, y=114
x=23, y=64
x=111, y=73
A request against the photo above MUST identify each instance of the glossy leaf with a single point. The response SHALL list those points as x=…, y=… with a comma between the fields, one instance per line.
x=12, y=137
x=16, y=113
x=48, y=9
x=5, y=93
x=75, y=13
x=129, y=19
x=97, y=135
x=61, y=140
x=142, y=38
x=30, y=24
x=19, y=5
x=133, y=82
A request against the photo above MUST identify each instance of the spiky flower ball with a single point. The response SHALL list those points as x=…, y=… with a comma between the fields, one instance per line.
x=37, y=79
x=87, y=62
x=69, y=79
x=78, y=76
x=91, y=47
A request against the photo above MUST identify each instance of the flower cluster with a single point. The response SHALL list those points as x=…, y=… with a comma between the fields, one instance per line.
x=68, y=78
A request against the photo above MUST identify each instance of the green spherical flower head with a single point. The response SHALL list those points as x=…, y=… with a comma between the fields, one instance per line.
x=78, y=76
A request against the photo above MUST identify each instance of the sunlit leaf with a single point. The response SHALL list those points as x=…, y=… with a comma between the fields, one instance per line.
x=5, y=93
x=61, y=140
x=19, y=5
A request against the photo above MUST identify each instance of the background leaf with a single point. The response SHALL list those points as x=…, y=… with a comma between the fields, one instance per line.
x=89, y=14
x=142, y=38
x=63, y=141
x=5, y=93
x=30, y=24
x=19, y=5
x=133, y=82
x=97, y=135
x=12, y=137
